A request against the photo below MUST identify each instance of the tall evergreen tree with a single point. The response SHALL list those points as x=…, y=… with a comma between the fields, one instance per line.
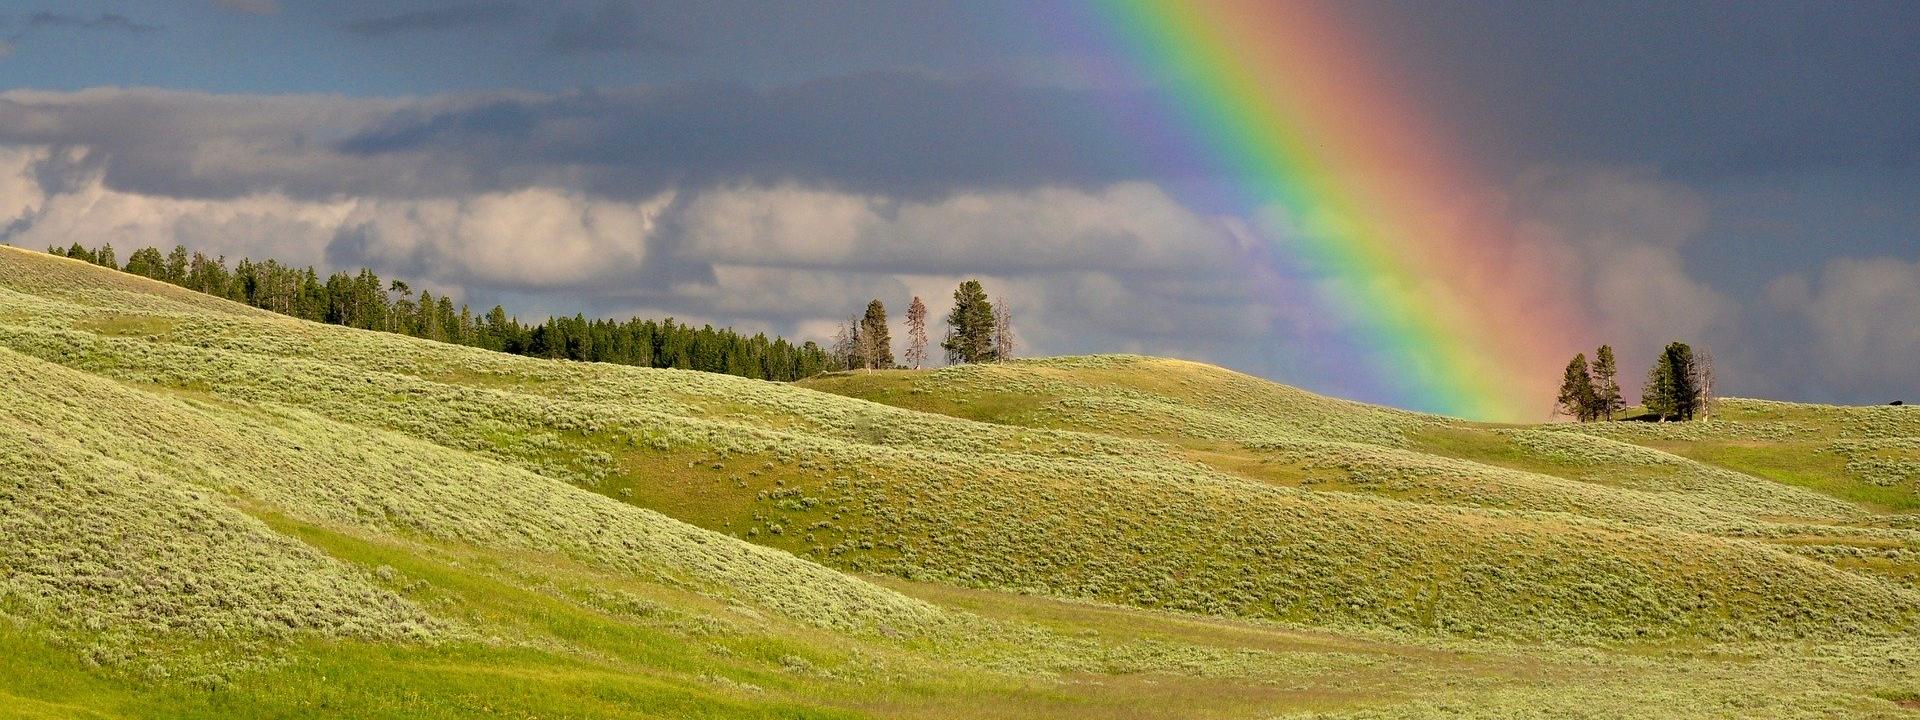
x=1606, y=382
x=877, y=340
x=315, y=296
x=970, y=325
x=1577, y=397
x=1673, y=387
x=917, y=333
x=147, y=262
x=495, y=331
x=465, y=334
x=1686, y=381
x=208, y=275
x=1657, y=394
x=177, y=265
x=445, y=326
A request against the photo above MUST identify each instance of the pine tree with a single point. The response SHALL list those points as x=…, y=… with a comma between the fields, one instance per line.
x=1606, y=384
x=873, y=333
x=863, y=347
x=1002, y=331
x=495, y=331
x=1577, y=397
x=465, y=334
x=1686, y=381
x=445, y=326
x=147, y=262
x=424, y=323
x=315, y=296
x=970, y=325
x=916, y=333
x=1673, y=387
x=1657, y=395
x=176, y=272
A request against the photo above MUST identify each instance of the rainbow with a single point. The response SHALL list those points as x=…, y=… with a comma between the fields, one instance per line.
x=1444, y=304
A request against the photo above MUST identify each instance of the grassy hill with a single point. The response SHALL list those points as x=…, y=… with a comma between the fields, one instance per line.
x=209, y=510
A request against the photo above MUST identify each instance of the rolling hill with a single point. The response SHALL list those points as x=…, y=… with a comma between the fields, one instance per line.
x=208, y=510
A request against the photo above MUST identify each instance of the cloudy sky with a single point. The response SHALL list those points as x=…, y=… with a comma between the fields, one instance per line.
x=1746, y=176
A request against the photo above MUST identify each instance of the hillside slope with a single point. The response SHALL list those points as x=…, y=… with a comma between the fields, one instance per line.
x=1763, y=470
x=206, y=507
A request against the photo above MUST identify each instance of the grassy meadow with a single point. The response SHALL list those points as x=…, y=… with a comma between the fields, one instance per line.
x=208, y=510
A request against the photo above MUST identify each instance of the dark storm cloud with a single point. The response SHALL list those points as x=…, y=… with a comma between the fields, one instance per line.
x=250, y=7
x=186, y=144
x=449, y=17
x=613, y=26
x=892, y=132
x=895, y=133
x=103, y=21
x=1704, y=90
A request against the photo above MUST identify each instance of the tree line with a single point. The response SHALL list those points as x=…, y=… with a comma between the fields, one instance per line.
x=361, y=300
x=1678, y=387
x=978, y=330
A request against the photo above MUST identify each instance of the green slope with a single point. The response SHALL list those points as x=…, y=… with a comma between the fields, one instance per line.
x=210, y=510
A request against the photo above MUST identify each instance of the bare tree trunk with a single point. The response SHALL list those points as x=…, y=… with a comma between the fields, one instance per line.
x=845, y=345
x=1002, y=330
x=1704, y=364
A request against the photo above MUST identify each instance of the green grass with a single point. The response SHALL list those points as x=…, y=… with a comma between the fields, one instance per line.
x=210, y=511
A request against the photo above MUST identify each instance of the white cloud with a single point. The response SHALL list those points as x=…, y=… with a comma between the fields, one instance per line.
x=533, y=238
x=1864, y=319
x=1643, y=294
x=1133, y=227
x=266, y=225
x=20, y=193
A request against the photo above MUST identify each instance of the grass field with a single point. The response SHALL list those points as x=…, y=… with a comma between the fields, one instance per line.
x=211, y=511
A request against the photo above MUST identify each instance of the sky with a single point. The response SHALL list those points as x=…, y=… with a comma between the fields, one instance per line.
x=1742, y=176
